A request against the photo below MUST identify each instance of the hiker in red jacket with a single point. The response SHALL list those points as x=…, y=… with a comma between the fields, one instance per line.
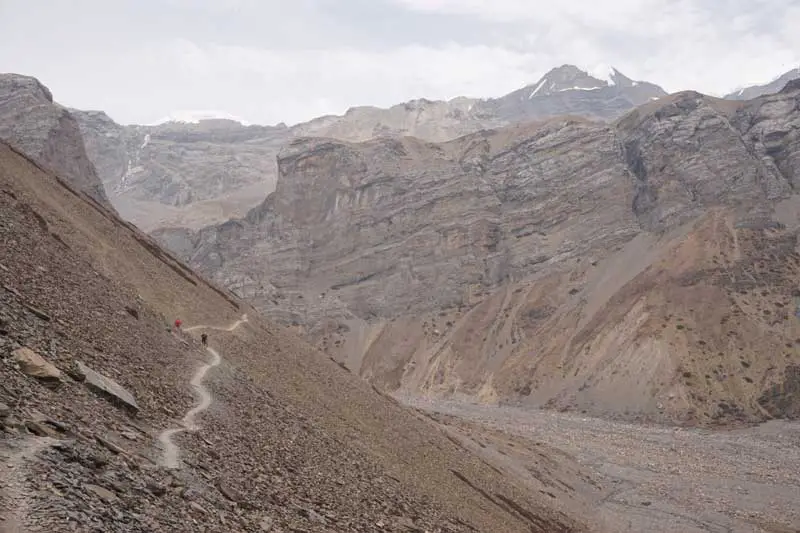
x=178, y=323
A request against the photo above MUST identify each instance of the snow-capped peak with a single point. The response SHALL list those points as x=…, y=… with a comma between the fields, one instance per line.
x=603, y=72
x=195, y=116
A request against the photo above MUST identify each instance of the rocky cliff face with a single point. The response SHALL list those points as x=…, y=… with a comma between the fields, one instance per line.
x=643, y=268
x=754, y=91
x=152, y=173
x=191, y=175
x=47, y=132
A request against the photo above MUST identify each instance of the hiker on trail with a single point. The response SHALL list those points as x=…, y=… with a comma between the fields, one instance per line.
x=178, y=323
x=204, y=339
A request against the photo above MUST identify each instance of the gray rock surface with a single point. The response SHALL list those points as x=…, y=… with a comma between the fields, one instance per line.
x=34, y=124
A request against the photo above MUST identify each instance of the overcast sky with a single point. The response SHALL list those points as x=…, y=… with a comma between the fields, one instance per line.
x=269, y=61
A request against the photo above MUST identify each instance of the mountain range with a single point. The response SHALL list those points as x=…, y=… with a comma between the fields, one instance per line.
x=585, y=244
x=747, y=93
x=192, y=169
x=429, y=267
x=192, y=173
x=553, y=263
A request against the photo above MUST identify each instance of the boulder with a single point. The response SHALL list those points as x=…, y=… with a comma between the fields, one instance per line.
x=103, y=493
x=108, y=388
x=34, y=365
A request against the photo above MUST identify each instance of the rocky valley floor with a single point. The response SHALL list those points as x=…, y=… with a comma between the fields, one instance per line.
x=631, y=477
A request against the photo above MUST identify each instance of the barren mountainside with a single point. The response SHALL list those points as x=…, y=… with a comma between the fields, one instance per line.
x=91, y=376
x=195, y=174
x=46, y=131
x=640, y=269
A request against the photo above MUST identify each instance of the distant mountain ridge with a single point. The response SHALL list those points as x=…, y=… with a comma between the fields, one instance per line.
x=642, y=268
x=200, y=167
x=754, y=91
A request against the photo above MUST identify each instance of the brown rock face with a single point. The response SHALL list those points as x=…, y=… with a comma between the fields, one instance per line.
x=47, y=132
x=611, y=268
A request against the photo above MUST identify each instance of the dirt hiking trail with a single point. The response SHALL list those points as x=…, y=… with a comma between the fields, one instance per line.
x=14, y=496
x=170, y=457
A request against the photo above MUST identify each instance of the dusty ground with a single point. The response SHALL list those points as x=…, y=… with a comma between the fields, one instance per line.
x=642, y=477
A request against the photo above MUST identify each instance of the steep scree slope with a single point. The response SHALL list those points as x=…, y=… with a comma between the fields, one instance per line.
x=643, y=269
x=292, y=442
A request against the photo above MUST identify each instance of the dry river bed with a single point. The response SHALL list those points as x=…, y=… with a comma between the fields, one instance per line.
x=640, y=478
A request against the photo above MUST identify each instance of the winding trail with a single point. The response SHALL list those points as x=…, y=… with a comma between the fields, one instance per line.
x=170, y=458
x=14, y=493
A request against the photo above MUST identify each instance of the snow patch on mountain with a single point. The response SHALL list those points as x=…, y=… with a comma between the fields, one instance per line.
x=603, y=72
x=538, y=88
x=195, y=116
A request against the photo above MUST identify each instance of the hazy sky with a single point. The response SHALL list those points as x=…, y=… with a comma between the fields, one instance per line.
x=269, y=61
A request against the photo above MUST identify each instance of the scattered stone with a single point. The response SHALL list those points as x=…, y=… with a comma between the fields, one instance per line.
x=109, y=388
x=58, y=426
x=34, y=365
x=5, y=410
x=110, y=446
x=38, y=312
x=102, y=493
x=228, y=491
x=133, y=312
x=197, y=507
x=12, y=290
x=97, y=461
x=39, y=429
x=266, y=524
x=74, y=372
x=312, y=515
x=156, y=489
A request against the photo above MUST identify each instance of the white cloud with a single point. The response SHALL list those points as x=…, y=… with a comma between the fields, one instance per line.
x=271, y=60
x=298, y=85
x=680, y=44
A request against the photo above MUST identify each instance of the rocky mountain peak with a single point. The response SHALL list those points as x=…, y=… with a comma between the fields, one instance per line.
x=774, y=86
x=18, y=85
x=571, y=78
x=793, y=85
x=41, y=129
